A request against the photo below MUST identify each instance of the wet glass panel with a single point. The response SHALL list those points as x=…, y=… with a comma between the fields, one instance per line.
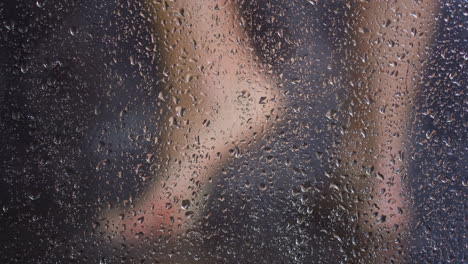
x=233, y=131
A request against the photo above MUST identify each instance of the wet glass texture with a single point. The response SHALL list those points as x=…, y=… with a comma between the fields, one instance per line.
x=233, y=131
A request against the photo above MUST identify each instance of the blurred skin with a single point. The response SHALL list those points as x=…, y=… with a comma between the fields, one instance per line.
x=392, y=40
x=221, y=101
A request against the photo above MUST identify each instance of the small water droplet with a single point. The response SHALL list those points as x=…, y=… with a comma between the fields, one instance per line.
x=34, y=197
x=73, y=30
x=41, y=3
x=185, y=204
x=180, y=111
x=24, y=67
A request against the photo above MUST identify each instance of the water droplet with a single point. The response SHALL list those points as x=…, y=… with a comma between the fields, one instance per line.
x=185, y=204
x=34, y=197
x=41, y=3
x=73, y=30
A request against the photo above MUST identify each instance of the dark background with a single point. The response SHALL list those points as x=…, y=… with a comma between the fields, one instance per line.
x=73, y=108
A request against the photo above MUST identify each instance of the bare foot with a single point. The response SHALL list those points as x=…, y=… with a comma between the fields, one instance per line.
x=240, y=106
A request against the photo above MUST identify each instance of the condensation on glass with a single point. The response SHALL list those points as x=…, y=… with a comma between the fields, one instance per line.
x=225, y=131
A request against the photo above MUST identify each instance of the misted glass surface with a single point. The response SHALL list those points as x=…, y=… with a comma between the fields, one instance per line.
x=224, y=131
